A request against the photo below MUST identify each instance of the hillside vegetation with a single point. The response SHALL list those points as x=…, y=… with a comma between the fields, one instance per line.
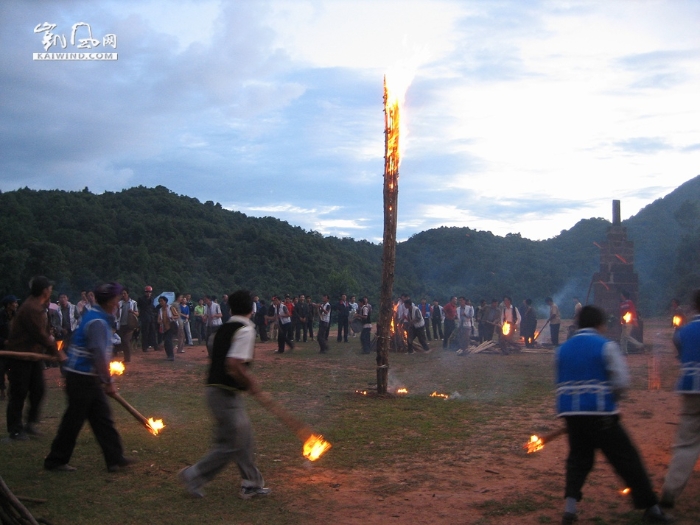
x=153, y=236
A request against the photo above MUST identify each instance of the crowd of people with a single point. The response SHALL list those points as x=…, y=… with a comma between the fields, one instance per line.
x=590, y=369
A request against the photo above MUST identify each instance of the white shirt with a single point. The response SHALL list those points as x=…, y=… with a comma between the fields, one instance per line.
x=325, y=312
x=283, y=314
x=243, y=342
x=465, y=315
x=417, y=317
x=214, y=309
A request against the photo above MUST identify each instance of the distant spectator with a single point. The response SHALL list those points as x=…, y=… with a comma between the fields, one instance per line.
x=147, y=317
x=127, y=322
x=8, y=308
x=167, y=324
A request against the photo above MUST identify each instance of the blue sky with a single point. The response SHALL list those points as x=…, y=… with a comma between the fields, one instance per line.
x=522, y=117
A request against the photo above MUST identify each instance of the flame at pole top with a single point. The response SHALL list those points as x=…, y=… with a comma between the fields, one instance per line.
x=396, y=82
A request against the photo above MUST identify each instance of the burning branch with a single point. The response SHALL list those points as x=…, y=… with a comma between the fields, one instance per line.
x=116, y=368
x=541, y=330
x=314, y=444
x=537, y=443
x=153, y=426
x=436, y=394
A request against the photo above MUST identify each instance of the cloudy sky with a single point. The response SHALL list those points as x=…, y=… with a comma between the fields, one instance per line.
x=522, y=117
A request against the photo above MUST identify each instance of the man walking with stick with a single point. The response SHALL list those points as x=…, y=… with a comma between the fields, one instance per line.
x=88, y=383
x=229, y=377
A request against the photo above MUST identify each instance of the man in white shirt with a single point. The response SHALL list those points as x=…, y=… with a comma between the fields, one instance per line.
x=465, y=322
x=212, y=318
x=229, y=375
x=416, y=326
x=284, y=320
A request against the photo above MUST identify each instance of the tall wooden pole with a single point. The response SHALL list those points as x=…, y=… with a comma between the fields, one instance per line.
x=391, y=193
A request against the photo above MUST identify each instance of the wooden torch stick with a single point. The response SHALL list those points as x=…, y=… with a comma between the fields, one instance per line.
x=137, y=415
x=540, y=331
x=28, y=356
x=302, y=431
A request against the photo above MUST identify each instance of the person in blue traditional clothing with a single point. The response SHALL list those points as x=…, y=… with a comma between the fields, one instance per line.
x=591, y=375
x=88, y=383
x=687, y=446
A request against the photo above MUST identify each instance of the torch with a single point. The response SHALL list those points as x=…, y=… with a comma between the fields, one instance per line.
x=537, y=443
x=314, y=444
x=153, y=426
x=541, y=330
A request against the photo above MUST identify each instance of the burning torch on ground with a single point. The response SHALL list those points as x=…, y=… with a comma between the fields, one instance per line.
x=314, y=444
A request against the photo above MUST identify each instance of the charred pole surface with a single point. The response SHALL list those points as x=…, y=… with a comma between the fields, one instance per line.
x=391, y=193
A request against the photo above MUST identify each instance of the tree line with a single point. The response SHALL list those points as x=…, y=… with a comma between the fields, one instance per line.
x=153, y=236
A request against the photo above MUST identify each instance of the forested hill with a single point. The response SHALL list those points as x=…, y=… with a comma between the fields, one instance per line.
x=154, y=236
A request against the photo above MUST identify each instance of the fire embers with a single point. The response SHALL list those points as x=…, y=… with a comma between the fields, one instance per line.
x=534, y=444
x=116, y=368
x=314, y=447
x=537, y=443
x=442, y=396
x=155, y=425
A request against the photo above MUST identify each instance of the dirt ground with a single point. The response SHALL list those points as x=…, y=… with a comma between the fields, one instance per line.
x=483, y=485
x=493, y=487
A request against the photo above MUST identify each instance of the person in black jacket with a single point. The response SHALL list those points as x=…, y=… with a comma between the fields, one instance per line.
x=343, y=309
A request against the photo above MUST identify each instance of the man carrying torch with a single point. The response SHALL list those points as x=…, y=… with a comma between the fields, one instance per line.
x=229, y=376
x=591, y=374
x=88, y=382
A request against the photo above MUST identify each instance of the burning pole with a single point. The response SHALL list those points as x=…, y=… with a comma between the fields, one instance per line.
x=391, y=194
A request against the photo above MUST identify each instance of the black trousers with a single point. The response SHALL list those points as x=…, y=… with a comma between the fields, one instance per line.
x=437, y=327
x=299, y=328
x=322, y=336
x=148, y=334
x=588, y=433
x=343, y=329
x=262, y=331
x=310, y=326
x=86, y=400
x=449, y=328
x=285, y=336
x=26, y=378
x=554, y=333
x=365, y=339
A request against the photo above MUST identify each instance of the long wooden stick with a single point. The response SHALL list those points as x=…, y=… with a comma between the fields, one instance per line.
x=540, y=332
x=137, y=415
x=28, y=356
x=302, y=431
